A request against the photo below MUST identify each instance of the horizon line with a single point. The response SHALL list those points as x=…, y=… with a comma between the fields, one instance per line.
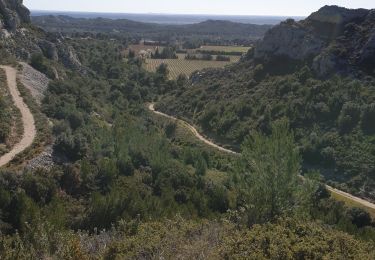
x=173, y=14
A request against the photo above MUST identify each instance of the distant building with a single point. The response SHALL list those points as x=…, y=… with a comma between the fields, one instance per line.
x=145, y=54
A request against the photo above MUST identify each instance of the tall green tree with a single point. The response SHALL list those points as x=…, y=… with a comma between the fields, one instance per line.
x=163, y=70
x=269, y=169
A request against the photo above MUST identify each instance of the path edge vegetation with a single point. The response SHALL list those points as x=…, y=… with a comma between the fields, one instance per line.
x=15, y=116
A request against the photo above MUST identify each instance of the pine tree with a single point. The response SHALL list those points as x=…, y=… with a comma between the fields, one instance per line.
x=269, y=170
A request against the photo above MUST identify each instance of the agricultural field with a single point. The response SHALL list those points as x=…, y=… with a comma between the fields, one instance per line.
x=232, y=58
x=182, y=66
x=187, y=67
x=224, y=48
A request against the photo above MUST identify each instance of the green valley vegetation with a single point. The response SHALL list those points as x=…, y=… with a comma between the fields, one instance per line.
x=126, y=184
x=286, y=239
x=331, y=118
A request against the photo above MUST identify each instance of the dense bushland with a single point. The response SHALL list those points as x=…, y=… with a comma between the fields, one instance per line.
x=127, y=186
x=119, y=163
x=332, y=119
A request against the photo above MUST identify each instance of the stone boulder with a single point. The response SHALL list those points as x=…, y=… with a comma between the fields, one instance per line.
x=49, y=50
x=68, y=57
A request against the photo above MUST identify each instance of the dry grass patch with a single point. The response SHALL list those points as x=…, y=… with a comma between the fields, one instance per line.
x=225, y=48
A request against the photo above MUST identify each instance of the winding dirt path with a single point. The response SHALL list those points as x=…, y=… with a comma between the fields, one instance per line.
x=151, y=107
x=29, y=132
x=363, y=202
x=192, y=129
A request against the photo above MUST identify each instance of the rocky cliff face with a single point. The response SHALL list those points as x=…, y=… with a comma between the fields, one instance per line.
x=22, y=41
x=289, y=39
x=331, y=40
x=12, y=14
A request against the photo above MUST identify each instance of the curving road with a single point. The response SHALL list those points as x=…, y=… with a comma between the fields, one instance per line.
x=151, y=107
x=29, y=132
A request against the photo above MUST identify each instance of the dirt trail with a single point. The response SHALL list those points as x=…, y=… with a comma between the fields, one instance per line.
x=192, y=129
x=363, y=202
x=151, y=107
x=29, y=132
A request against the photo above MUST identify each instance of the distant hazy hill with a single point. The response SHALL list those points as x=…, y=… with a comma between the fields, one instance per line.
x=226, y=28
x=69, y=24
x=170, y=18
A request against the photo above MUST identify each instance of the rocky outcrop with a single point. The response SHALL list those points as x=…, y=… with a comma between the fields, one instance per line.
x=14, y=38
x=49, y=50
x=337, y=15
x=22, y=41
x=289, y=39
x=331, y=40
x=68, y=57
x=13, y=13
x=324, y=64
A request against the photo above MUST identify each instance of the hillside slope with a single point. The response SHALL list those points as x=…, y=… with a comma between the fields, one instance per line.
x=331, y=110
x=129, y=185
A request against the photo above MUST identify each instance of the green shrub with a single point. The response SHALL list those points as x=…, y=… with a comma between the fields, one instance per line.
x=39, y=63
x=368, y=119
x=349, y=117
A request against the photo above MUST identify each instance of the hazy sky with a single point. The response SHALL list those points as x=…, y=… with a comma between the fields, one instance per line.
x=231, y=7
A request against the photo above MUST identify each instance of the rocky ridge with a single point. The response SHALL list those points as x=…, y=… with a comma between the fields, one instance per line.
x=331, y=40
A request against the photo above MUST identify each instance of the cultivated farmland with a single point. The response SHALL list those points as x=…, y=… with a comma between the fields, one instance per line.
x=187, y=67
x=224, y=48
x=181, y=56
x=182, y=66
